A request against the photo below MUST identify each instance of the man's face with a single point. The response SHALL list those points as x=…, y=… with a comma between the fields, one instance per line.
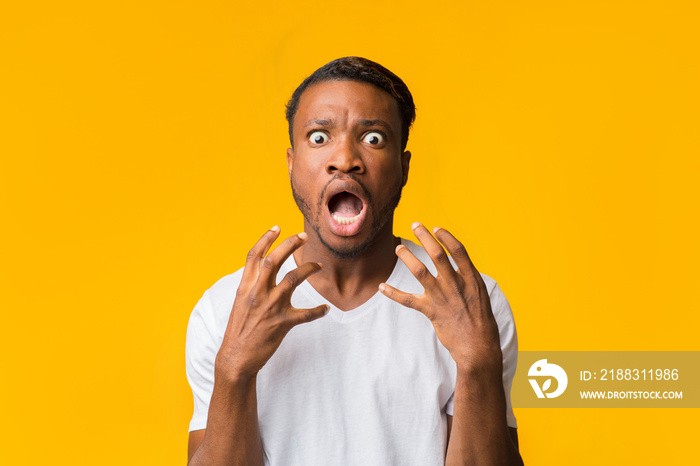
x=347, y=168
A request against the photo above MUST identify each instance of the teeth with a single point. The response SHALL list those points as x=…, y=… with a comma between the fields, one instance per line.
x=346, y=220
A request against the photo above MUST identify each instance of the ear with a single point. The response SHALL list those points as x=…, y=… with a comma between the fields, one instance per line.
x=290, y=160
x=405, y=162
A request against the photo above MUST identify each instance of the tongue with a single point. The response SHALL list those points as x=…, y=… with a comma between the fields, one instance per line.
x=345, y=205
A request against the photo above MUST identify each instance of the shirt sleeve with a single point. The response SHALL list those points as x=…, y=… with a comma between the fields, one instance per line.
x=200, y=354
x=509, y=346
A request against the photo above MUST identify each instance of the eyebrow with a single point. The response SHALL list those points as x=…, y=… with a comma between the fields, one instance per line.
x=374, y=123
x=361, y=123
x=318, y=123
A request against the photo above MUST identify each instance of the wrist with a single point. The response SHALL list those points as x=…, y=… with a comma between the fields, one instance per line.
x=231, y=370
x=478, y=358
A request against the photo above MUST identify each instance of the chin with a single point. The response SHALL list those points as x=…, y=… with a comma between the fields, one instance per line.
x=348, y=247
x=348, y=251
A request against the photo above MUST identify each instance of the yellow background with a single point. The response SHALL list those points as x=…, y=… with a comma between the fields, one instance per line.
x=143, y=153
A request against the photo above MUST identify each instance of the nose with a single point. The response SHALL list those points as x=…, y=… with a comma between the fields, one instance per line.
x=345, y=158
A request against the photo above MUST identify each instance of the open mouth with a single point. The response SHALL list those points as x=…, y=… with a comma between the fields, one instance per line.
x=347, y=212
x=345, y=208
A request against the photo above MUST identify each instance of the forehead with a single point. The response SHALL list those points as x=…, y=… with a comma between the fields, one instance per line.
x=346, y=101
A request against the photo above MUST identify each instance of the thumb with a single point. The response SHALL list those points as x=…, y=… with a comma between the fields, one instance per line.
x=301, y=316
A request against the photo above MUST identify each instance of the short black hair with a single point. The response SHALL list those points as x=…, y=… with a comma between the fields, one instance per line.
x=361, y=70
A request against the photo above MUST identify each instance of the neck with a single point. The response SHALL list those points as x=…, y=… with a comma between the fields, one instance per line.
x=348, y=282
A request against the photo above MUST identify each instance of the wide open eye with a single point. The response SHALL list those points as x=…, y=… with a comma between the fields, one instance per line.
x=318, y=137
x=374, y=138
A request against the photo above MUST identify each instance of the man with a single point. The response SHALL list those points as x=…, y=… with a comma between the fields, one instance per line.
x=311, y=354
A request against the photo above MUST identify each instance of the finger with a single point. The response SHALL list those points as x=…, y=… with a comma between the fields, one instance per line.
x=434, y=250
x=294, y=278
x=417, y=268
x=455, y=248
x=272, y=263
x=459, y=253
x=301, y=316
x=407, y=299
x=257, y=254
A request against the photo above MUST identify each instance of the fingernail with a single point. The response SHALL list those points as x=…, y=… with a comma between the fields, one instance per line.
x=328, y=309
x=275, y=228
x=415, y=225
x=436, y=229
x=398, y=248
x=303, y=235
x=382, y=287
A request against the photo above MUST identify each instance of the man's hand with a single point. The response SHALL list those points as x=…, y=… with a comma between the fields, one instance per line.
x=458, y=305
x=456, y=301
x=261, y=316
x=262, y=313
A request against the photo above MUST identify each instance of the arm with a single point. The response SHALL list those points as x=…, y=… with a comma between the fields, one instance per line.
x=479, y=433
x=261, y=316
x=511, y=430
x=457, y=303
x=232, y=435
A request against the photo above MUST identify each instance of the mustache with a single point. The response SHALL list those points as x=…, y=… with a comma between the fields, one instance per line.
x=365, y=191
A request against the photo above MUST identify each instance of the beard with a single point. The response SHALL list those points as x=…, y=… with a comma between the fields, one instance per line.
x=381, y=214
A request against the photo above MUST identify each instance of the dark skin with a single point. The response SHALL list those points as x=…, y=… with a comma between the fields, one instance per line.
x=347, y=137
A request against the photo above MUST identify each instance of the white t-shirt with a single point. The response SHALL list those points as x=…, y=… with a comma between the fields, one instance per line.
x=369, y=386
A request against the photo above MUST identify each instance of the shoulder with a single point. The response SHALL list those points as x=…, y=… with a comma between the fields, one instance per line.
x=499, y=303
x=224, y=290
x=212, y=311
